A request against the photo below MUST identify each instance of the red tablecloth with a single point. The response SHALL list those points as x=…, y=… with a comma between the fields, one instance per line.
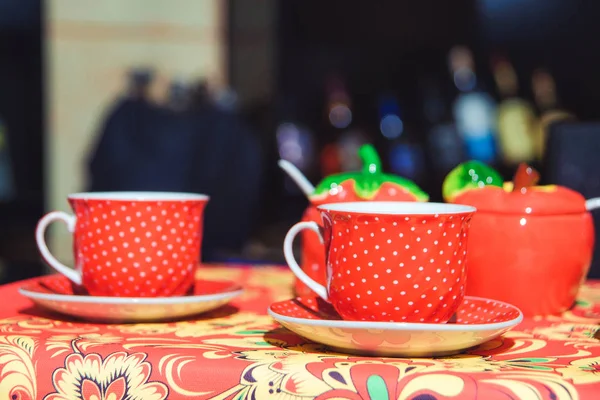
x=238, y=352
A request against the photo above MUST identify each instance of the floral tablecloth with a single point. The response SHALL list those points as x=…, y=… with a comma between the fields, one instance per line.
x=238, y=352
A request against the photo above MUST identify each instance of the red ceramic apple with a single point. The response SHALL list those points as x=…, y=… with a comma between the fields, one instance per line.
x=530, y=245
x=369, y=184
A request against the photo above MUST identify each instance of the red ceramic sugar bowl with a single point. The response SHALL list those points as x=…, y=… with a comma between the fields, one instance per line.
x=370, y=184
x=530, y=245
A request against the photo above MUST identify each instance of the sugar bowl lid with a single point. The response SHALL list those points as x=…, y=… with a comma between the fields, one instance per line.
x=474, y=183
x=370, y=183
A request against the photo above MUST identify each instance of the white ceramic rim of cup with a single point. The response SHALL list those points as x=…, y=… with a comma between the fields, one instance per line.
x=139, y=196
x=404, y=326
x=398, y=208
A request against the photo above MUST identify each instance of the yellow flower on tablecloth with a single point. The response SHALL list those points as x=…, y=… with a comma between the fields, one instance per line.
x=17, y=369
x=579, y=332
x=467, y=363
x=281, y=282
x=578, y=338
x=28, y=325
x=588, y=317
x=65, y=343
x=582, y=371
x=223, y=326
x=35, y=325
x=248, y=342
x=119, y=376
x=283, y=369
x=227, y=325
x=588, y=295
x=290, y=355
x=146, y=329
x=309, y=371
x=218, y=273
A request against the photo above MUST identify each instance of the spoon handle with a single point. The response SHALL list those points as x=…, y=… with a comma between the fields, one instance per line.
x=297, y=176
x=592, y=204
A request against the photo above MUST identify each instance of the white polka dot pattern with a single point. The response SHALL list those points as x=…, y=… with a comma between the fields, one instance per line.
x=313, y=257
x=137, y=249
x=396, y=268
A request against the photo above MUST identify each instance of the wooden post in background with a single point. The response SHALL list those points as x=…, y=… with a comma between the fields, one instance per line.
x=89, y=45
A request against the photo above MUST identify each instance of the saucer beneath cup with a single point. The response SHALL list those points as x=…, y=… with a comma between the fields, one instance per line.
x=57, y=293
x=477, y=320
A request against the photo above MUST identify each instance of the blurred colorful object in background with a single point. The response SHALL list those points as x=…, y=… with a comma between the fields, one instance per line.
x=407, y=159
x=546, y=98
x=516, y=118
x=348, y=145
x=474, y=109
x=339, y=112
x=390, y=122
x=295, y=144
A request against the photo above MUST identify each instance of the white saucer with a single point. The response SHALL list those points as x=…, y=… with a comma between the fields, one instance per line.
x=477, y=321
x=56, y=293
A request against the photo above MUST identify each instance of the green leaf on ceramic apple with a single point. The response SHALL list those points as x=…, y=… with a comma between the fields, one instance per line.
x=368, y=181
x=467, y=176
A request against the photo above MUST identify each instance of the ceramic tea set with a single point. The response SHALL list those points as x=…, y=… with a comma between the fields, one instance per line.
x=136, y=256
x=383, y=270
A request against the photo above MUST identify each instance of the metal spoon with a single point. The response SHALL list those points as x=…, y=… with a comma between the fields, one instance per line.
x=592, y=204
x=298, y=177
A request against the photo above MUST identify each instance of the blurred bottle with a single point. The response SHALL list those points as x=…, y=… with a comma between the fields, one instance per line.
x=7, y=187
x=347, y=146
x=516, y=117
x=443, y=141
x=391, y=125
x=548, y=104
x=406, y=156
x=474, y=109
x=338, y=104
x=330, y=159
x=339, y=118
x=350, y=136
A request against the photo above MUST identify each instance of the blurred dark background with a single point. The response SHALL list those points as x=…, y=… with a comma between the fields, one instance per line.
x=22, y=116
x=310, y=81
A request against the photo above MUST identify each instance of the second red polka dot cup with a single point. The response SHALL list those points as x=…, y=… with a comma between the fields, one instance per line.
x=131, y=244
x=390, y=261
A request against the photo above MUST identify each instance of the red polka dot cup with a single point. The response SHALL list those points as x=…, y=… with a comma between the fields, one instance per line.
x=131, y=244
x=390, y=261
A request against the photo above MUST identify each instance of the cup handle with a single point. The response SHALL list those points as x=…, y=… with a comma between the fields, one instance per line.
x=289, y=256
x=73, y=275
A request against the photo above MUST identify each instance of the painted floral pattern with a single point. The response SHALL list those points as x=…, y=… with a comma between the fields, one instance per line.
x=117, y=377
x=238, y=352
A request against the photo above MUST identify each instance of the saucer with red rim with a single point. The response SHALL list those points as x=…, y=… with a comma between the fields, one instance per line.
x=476, y=321
x=56, y=293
